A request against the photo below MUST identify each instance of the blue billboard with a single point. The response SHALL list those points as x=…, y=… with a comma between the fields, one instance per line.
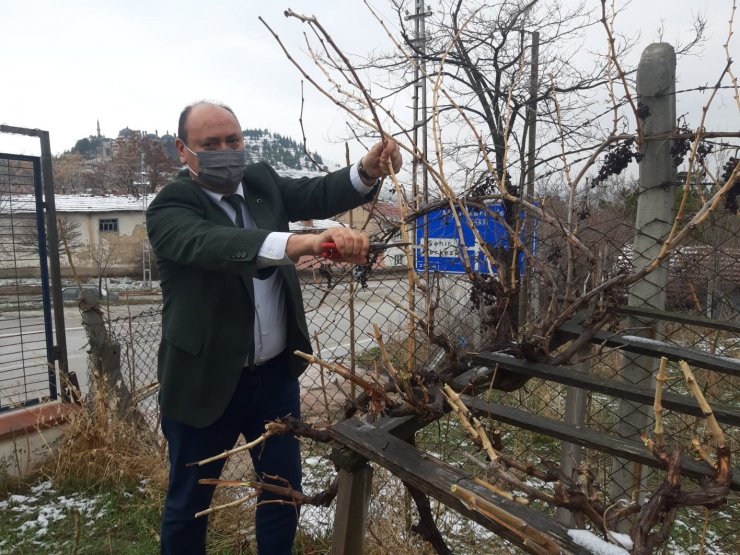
x=445, y=247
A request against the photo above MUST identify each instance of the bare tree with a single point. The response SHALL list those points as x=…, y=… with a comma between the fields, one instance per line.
x=26, y=232
x=158, y=167
x=75, y=174
x=101, y=255
x=124, y=171
x=483, y=52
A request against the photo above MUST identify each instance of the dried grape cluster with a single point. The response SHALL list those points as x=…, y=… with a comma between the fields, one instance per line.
x=487, y=296
x=679, y=147
x=618, y=157
x=362, y=272
x=643, y=111
x=489, y=185
x=702, y=151
x=731, y=201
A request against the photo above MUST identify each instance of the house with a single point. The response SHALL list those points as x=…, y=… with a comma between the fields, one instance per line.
x=383, y=218
x=704, y=279
x=104, y=235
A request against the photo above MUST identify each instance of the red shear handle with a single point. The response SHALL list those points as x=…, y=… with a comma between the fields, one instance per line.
x=330, y=251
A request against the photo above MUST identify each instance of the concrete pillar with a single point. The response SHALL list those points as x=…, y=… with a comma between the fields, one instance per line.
x=656, y=80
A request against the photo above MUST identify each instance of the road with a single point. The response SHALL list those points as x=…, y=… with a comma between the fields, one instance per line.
x=328, y=315
x=23, y=370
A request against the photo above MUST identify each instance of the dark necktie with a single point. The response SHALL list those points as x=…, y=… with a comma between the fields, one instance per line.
x=236, y=202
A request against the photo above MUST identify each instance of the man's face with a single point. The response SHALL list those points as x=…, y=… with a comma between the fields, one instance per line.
x=209, y=128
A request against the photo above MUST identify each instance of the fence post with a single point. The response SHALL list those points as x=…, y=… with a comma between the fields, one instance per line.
x=656, y=87
x=105, y=360
x=54, y=267
x=350, y=518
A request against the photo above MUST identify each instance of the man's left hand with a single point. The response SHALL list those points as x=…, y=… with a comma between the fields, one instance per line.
x=375, y=162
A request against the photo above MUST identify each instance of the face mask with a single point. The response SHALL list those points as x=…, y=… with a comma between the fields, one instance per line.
x=220, y=170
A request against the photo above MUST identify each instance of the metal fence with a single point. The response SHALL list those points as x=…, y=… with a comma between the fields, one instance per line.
x=27, y=371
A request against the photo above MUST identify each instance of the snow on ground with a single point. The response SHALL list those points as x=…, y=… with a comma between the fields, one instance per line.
x=118, y=284
x=594, y=544
x=318, y=473
x=43, y=506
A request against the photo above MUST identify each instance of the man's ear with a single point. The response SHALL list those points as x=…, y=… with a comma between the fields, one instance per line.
x=180, y=146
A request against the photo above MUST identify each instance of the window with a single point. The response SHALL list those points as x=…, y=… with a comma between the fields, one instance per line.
x=110, y=224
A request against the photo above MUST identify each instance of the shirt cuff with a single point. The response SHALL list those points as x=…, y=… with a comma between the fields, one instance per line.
x=272, y=251
x=357, y=182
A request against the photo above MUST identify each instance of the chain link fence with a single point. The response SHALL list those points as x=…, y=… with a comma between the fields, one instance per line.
x=342, y=305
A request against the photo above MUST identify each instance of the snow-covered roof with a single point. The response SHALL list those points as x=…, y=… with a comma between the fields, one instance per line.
x=20, y=204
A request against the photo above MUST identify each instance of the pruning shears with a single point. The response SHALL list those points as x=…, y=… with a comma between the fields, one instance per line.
x=332, y=253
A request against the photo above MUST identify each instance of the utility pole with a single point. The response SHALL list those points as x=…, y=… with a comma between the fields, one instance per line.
x=419, y=135
x=528, y=291
x=146, y=255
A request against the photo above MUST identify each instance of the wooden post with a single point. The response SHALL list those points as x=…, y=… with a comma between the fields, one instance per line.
x=350, y=519
x=656, y=85
x=571, y=454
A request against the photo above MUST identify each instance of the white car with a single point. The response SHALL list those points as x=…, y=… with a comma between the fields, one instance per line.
x=72, y=293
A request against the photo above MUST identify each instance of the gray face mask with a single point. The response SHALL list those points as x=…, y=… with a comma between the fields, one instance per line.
x=220, y=170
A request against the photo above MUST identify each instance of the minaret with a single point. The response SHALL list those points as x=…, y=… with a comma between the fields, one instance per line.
x=98, y=127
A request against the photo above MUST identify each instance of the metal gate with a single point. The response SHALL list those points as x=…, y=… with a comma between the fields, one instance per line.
x=28, y=351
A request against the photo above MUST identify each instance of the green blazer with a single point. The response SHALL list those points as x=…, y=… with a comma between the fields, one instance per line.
x=206, y=266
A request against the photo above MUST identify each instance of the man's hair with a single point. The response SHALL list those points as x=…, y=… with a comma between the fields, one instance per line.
x=183, y=122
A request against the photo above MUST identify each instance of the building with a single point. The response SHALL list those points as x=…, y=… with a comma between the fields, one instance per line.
x=384, y=219
x=104, y=235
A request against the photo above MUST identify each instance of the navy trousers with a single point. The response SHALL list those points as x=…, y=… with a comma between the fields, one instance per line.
x=263, y=394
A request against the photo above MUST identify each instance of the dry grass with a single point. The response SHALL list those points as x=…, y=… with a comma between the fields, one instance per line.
x=103, y=450
x=102, y=447
x=231, y=531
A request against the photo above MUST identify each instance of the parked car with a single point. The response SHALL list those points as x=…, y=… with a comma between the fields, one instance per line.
x=72, y=293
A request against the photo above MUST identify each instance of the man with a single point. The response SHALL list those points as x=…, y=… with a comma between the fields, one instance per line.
x=233, y=312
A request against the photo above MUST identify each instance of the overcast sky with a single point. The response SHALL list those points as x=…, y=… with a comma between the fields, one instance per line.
x=137, y=63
